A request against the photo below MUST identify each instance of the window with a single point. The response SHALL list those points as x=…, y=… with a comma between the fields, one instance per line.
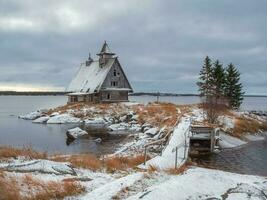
x=108, y=96
x=115, y=72
x=73, y=99
x=114, y=83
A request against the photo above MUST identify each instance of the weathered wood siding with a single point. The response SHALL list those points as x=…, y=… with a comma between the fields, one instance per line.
x=120, y=78
x=113, y=96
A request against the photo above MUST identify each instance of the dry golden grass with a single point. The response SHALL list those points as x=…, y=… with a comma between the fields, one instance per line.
x=29, y=188
x=8, y=188
x=87, y=161
x=157, y=114
x=91, y=162
x=152, y=169
x=10, y=152
x=244, y=125
x=123, y=163
x=178, y=171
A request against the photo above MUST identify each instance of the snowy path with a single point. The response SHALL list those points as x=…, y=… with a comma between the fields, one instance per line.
x=110, y=189
x=178, y=138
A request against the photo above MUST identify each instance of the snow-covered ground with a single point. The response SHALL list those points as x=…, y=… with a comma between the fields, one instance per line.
x=200, y=183
x=194, y=183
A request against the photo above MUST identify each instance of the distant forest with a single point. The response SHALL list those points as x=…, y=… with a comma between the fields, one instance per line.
x=58, y=93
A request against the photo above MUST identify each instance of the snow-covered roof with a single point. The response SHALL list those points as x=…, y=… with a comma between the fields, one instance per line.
x=90, y=78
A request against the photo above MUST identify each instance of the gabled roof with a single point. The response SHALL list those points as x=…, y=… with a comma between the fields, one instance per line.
x=90, y=78
x=105, y=49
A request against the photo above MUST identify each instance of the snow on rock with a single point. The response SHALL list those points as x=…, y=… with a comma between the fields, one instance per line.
x=201, y=183
x=32, y=115
x=41, y=166
x=227, y=141
x=254, y=137
x=98, y=140
x=63, y=119
x=135, y=127
x=43, y=119
x=119, y=126
x=98, y=120
x=107, y=191
x=152, y=131
x=167, y=159
x=74, y=133
x=228, y=123
x=198, y=115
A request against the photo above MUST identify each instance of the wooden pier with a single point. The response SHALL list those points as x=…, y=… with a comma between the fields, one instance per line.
x=203, y=139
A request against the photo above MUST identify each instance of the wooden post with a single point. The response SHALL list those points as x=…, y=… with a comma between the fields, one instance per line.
x=161, y=149
x=158, y=97
x=145, y=155
x=212, y=137
x=185, y=137
x=176, y=155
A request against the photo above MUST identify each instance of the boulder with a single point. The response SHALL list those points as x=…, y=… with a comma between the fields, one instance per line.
x=119, y=126
x=43, y=119
x=152, y=131
x=95, y=121
x=74, y=133
x=32, y=115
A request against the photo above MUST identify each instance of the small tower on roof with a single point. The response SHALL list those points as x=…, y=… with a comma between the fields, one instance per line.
x=105, y=54
x=89, y=61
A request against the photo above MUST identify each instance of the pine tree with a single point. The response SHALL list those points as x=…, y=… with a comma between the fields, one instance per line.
x=218, y=80
x=205, y=77
x=233, y=88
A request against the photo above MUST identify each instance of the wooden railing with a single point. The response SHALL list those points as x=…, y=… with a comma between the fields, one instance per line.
x=162, y=140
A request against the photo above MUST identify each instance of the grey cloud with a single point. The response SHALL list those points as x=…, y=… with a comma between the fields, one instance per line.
x=161, y=44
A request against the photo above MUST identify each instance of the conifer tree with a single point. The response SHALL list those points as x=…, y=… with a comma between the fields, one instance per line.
x=205, y=77
x=218, y=80
x=233, y=88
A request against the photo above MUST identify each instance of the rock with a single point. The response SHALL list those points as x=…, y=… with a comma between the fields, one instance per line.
x=95, y=121
x=135, y=117
x=98, y=140
x=40, y=166
x=75, y=133
x=43, y=119
x=63, y=119
x=146, y=126
x=119, y=127
x=160, y=133
x=54, y=114
x=135, y=127
x=152, y=131
x=123, y=118
x=32, y=115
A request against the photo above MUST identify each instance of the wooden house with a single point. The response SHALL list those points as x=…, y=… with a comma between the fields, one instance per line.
x=101, y=80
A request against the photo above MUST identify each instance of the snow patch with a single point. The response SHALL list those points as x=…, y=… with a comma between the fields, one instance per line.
x=62, y=119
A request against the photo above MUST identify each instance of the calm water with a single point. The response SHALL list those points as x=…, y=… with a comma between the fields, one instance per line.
x=48, y=137
x=248, y=159
x=52, y=137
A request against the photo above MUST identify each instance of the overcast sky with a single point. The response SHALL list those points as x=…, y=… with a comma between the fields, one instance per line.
x=160, y=44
